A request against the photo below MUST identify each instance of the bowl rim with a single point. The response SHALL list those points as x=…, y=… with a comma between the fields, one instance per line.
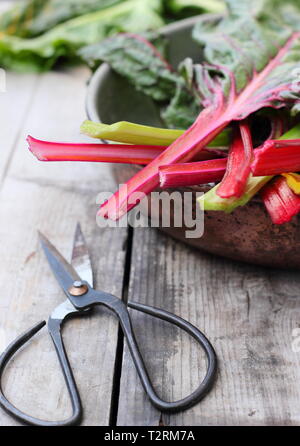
x=103, y=69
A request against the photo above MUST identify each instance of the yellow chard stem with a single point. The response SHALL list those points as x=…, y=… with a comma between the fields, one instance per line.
x=131, y=133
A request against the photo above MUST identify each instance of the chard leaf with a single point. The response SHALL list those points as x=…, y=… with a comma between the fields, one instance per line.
x=138, y=60
x=33, y=17
x=57, y=11
x=64, y=40
x=189, y=7
x=252, y=61
x=182, y=110
x=185, y=105
x=17, y=20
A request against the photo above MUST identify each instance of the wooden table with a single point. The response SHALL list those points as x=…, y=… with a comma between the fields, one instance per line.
x=250, y=314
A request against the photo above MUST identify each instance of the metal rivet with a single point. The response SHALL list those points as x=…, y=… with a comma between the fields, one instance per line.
x=77, y=284
x=78, y=288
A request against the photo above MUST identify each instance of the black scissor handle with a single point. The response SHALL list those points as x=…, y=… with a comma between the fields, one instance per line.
x=54, y=330
x=209, y=378
x=97, y=298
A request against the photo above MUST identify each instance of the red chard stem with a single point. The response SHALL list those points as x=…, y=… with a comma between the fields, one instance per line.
x=112, y=153
x=238, y=165
x=190, y=174
x=105, y=153
x=276, y=157
x=280, y=201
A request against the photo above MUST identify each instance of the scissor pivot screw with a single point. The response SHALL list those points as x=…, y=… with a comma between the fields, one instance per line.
x=78, y=288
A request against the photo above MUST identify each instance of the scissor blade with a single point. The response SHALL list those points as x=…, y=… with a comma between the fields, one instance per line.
x=80, y=257
x=63, y=271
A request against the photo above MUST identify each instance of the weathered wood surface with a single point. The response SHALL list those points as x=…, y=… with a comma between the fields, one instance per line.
x=249, y=315
x=52, y=198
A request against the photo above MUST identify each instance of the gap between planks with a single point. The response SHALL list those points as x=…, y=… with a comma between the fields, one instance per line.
x=121, y=338
x=249, y=313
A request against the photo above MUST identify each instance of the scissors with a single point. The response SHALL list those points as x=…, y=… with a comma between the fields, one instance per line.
x=76, y=280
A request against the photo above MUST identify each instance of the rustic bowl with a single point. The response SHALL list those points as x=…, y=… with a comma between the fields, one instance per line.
x=245, y=235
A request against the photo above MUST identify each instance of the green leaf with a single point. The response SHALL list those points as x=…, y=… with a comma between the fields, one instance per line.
x=137, y=59
x=18, y=19
x=65, y=39
x=33, y=17
x=247, y=39
x=184, y=7
x=182, y=110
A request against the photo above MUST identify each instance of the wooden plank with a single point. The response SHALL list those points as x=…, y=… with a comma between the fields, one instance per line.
x=15, y=103
x=248, y=313
x=6, y=4
x=52, y=198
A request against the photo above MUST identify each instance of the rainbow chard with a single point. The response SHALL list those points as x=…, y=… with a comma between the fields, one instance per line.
x=192, y=174
x=276, y=157
x=139, y=61
x=280, y=201
x=251, y=60
x=132, y=133
x=103, y=153
x=238, y=166
x=293, y=181
x=212, y=202
x=106, y=153
x=196, y=173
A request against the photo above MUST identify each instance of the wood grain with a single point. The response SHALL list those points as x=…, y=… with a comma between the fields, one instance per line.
x=247, y=312
x=52, y=198
x=250, y=314
x=15, y=103
x=6, y=4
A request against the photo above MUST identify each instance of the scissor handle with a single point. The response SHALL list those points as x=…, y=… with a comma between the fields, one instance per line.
x=208, y=380
x=94, y=298
x=54, y=327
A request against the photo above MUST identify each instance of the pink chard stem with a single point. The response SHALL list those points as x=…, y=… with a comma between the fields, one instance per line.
x=112, y=153
x=238, y=166
x=191, y=174
x=104, y=153
x=273, y=158
x=276, y=157
x=280, y=201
